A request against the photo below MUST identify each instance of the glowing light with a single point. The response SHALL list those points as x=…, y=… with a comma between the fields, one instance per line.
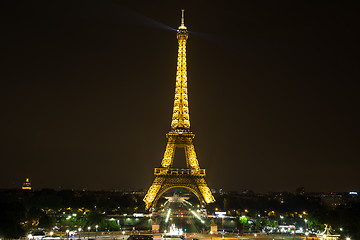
x=220, y=213
x=175, y=231
x=197, y=216
x=168, y=215
x=27, y=184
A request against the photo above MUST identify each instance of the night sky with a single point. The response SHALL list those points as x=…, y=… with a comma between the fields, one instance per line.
x=87, y=91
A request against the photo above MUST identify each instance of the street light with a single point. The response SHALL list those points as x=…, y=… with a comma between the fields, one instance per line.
x=96, y=226
x=255, y=235
x=123, y=232
x=281, y=217
x=51, y=233
x=89, y=228
x=79, y=232
x=348, y=238
x=67, y=234
x=306, y=234
x=211, y=233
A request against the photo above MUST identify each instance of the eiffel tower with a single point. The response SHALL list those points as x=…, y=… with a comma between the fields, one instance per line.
x=180, y=136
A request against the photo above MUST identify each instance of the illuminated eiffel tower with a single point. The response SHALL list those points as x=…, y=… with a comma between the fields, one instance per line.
x=180, y=136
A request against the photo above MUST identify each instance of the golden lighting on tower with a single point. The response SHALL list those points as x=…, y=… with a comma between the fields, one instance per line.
x=180, y=136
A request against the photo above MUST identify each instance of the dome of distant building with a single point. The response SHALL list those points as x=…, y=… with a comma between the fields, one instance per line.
x=26, y=185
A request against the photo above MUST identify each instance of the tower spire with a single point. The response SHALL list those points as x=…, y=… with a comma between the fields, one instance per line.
x=182, y=18
x=182, y=25
x=180, y=117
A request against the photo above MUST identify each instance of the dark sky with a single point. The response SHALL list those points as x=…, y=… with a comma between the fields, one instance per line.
x=87, y=90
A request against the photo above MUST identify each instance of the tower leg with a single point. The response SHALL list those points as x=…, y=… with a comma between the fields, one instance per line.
x=168, y=155
x=153, y=191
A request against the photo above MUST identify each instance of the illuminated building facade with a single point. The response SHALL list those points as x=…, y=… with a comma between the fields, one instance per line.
x=180, y=136
x=26, y=185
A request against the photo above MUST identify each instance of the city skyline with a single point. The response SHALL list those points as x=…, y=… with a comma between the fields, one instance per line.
x=89, y=89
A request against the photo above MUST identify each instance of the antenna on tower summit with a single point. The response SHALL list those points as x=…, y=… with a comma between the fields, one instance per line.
x=182, y=26
x=182, y=17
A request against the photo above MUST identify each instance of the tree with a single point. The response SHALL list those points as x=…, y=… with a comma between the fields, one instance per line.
x=243, y=223
x=46, y=222
x=95, y=218
x=11, y=215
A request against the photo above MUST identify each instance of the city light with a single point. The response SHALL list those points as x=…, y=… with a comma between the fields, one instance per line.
x=197, y=216
x=168, y=215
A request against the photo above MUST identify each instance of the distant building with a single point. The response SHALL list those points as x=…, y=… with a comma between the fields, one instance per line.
x=26, y=185
x=332, y=200
x=300, y=191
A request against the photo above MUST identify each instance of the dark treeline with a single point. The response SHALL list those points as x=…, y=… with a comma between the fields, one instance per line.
x=20, y=210
x=23, y=211
x=51, y=199
x=345, y=216
x=291, y=202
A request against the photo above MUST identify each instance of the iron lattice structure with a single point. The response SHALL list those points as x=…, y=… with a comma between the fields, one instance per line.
x=180, y=136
